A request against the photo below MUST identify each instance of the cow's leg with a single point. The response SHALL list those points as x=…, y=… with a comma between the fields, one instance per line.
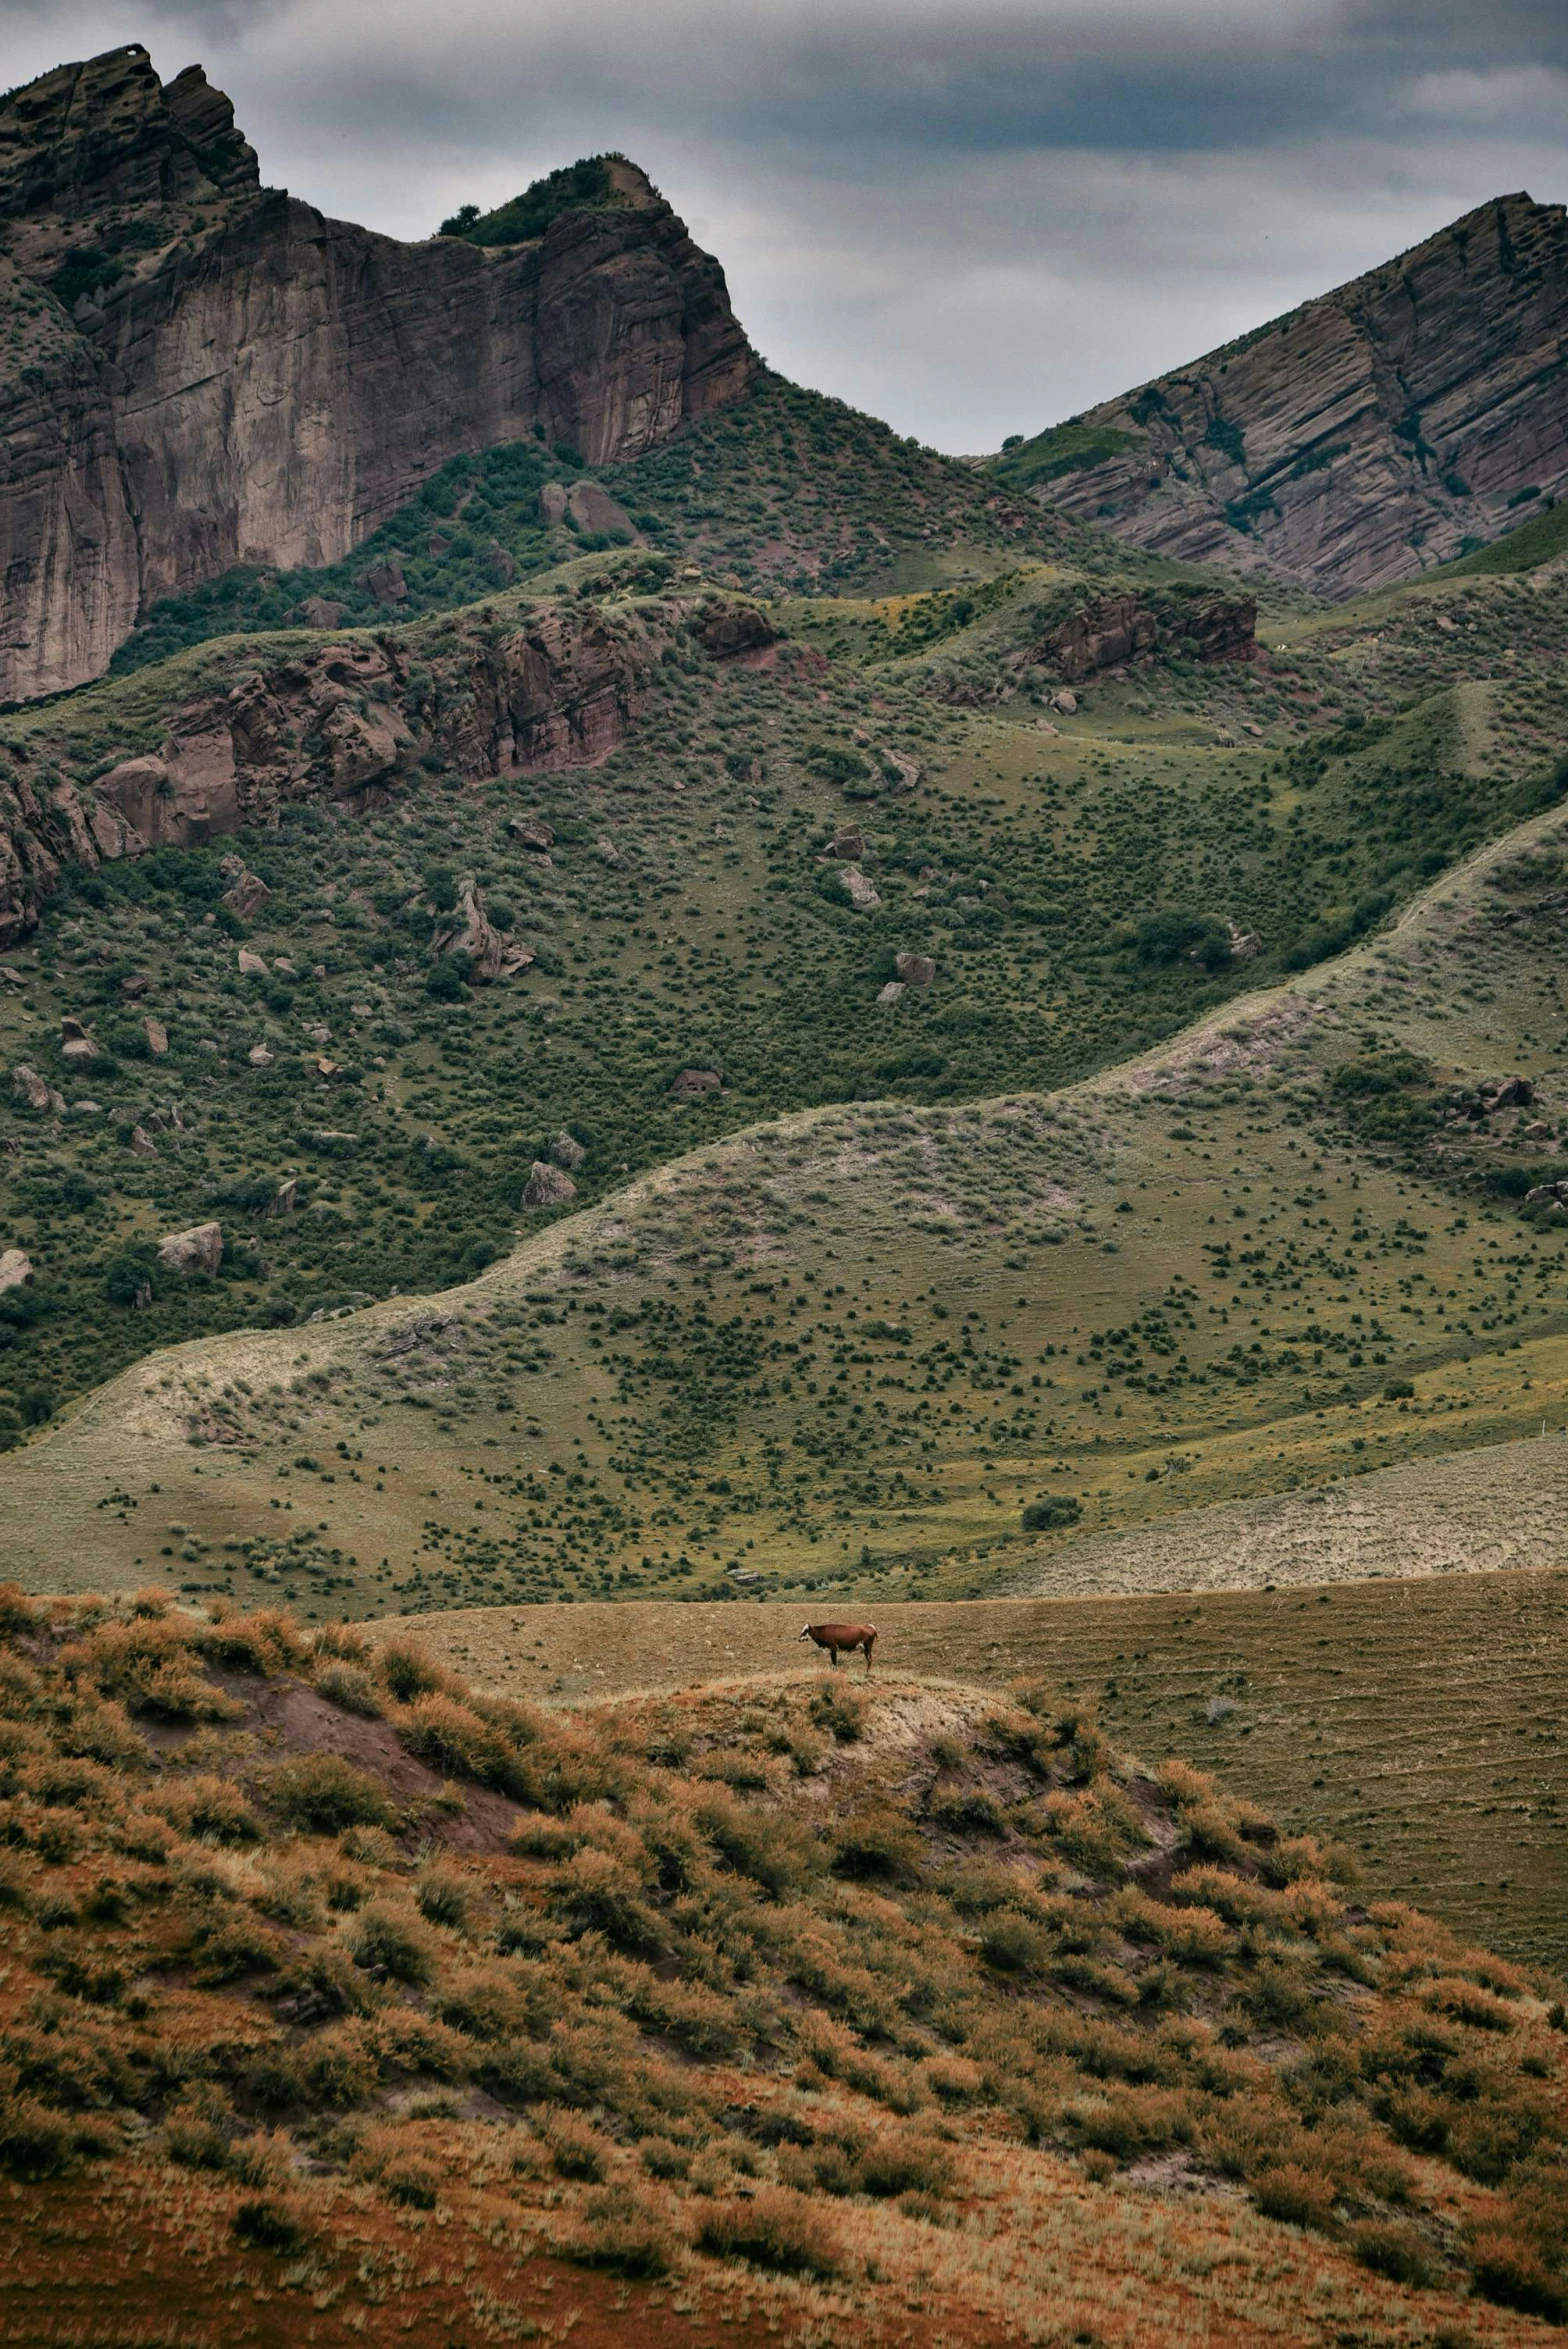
x=868, y=1645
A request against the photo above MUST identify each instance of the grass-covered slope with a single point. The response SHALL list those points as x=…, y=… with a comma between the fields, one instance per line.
x=789, y=491
x=1082, y=893
x=1417, y=1721
x=369, y=2003
x=909, y=1349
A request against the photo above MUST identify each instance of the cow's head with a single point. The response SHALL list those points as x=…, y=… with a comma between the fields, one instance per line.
x=805, y=1633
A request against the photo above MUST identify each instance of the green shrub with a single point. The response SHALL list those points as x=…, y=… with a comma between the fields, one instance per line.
x=1051, y=1510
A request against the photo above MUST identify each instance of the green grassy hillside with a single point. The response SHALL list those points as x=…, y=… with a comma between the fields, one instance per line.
x=1083, y=892
x=849, y=1350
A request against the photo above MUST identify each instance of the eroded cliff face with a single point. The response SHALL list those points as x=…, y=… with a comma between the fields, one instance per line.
x=209, y=372
x=1366, y=436
x=528, y=691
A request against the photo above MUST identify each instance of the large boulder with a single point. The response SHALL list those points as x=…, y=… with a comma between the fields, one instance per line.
x=75, y=1043
x=864, y=894
x=157, y=1038
x=567, y=1151
x=916, y=970
x=29, y=1087
x=548, y=1186
x=198, y=1250
x=15, y=1268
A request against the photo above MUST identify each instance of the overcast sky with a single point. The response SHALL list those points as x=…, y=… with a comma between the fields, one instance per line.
x=972, y=217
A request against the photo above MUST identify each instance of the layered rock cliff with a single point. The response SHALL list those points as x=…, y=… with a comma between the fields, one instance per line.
x=1361, y=439
x=198, y=371
x=522, y=690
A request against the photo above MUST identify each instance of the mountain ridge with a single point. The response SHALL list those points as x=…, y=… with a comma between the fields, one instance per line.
x=1378, y=429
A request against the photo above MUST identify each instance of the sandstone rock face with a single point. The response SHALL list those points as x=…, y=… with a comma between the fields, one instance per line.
x=1364, y=437
x=198, y=1250
x=1116, y=629
x=561, y=688
x=237, y=378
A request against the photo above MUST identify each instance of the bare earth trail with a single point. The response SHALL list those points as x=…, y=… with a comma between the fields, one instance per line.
x=1421, y=1723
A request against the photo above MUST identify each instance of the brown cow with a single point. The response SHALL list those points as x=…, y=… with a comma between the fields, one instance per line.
x=845, y=1636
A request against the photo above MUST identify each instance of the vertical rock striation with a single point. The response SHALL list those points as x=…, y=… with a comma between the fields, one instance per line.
x=202, y=371
x=1357, y=441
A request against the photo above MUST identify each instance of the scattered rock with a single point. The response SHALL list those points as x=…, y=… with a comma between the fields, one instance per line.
x=135, y=983
x=552, y=503
x=1250, y=726
x=1507, y=1093
x=259, y=1056
x=142, y=1143
x=567, y=1151
x=157, y=1037
x=75, y=1043
x=329, y=1068
x=532, y=832
x=198, y=1250
x=319, y=611
x=285, y=1198
x=385, y=582
x=251, y=965
x=892, y=991
x=608, y=850
x=916, y=970
x=15, y=1268
x=14, y=977
x=282, y=964
x=692, y=1083
x=86, y=1109
x=849, y=840
x=548, y=1186
x=1245, y=945
x=29, y=1086
x=1066, y=701
x=899, y=771
x=1044, y=726
x=864, y=895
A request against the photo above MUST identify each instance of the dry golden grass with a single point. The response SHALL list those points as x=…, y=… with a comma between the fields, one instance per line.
x=809, y=2015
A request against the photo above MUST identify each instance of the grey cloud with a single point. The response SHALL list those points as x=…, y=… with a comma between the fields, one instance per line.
x=969, y=215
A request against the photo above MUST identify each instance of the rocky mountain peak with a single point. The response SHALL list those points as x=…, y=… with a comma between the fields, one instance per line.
x=198, y=372
x=1376, y=431
x=109, y=133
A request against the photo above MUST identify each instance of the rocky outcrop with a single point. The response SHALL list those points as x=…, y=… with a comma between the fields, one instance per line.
x=548, y=1186
x=526, y=690
x=198, y=371
x=1357, y=441
x=491, y=953
x=1116, y=629
x=198, y=1250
